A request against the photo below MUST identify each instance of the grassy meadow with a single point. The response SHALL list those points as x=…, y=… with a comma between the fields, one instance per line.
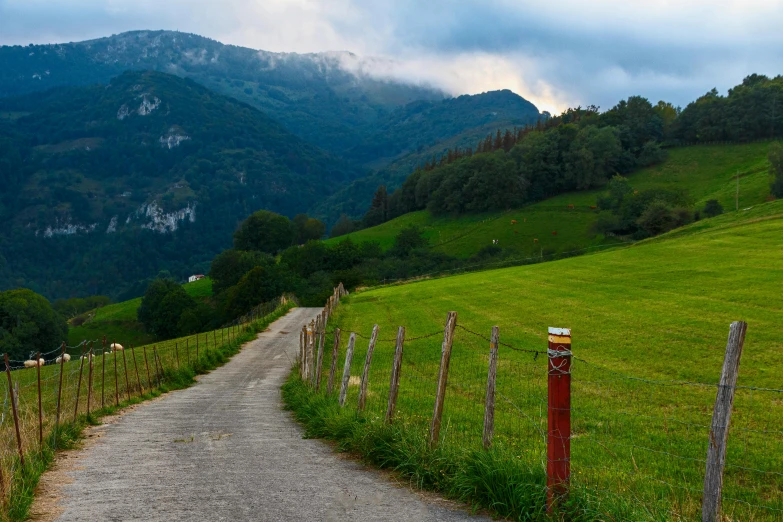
x=649, y=325
x=119, y=321
x=703, y=172
x=118, y=379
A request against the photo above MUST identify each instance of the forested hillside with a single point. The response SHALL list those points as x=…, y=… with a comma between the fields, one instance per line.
x=107, y=185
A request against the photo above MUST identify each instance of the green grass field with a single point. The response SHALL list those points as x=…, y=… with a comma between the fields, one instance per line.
x=645, y=319
x=118, y=321
x=704, y=172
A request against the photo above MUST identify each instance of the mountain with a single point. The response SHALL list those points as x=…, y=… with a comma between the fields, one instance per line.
x=329, y=99
x=107, y=185
x=324, y=98
x=415, y=134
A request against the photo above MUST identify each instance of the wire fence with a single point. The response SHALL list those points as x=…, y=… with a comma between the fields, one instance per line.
x=92, y=377
x=637, y=448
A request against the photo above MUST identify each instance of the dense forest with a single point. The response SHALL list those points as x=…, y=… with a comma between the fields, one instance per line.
x=578, y=150
x=106, y=186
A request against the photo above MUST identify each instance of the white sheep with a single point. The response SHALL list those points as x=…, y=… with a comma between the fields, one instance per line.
x=116, y=347
x=41, y=362
x=61, y=358
x=30, y=364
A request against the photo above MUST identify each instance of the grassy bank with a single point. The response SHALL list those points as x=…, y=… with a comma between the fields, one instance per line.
x=178, y=363
x=649, y=324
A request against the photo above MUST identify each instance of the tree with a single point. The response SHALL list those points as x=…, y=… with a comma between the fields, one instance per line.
x=713, y=208
x=259, y=285
x=162, y=306
x=312, y=230
x=265, y=231
x=28, y=324
x=776, y=168
x=343, y=226
x=406, y=241
x=229, y=266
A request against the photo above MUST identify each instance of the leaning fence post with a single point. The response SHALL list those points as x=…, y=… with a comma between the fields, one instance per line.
x=60, y=389
x=89, y=377
x=136, y=367
x=443, y=377
x=147, y=365
x=721, y=418
x=320, y=353
x=489, y=404
x=335, y=349
x=366, y=372
x=558, y=416
x=79, y=385
x=347, y=368
x=125, y=365
x=103, y=374
x=394, y=385
x=14, y=398
x=40, y=408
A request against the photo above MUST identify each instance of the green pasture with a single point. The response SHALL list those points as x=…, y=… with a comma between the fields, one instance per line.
x=702, y=172
x=649, y=325
x=118, y=320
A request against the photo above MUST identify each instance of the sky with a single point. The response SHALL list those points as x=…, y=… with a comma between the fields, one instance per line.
x=556, y=53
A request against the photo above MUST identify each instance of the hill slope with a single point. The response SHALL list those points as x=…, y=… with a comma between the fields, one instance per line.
x=647, y=322
x=703, y=172
x=151, y=163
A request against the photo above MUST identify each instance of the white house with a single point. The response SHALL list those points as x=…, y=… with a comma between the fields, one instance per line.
x=195, y=277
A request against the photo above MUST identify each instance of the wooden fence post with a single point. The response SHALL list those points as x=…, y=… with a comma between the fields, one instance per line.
x=301, y=354
x=147, y=365
x=558, y=416
x=60, y=389
x=176, y=352
x=721, y=418
x=335, y=349
x=14, y=399
x=79, y=385
x=116, y=377
x=347, y=368
x=321, y=341
x=103, y=374
x=443, y=377
x=89, y=378
x=394, y=385
x=155, y=360
x=316, y=336
x=196, y=349
x=136, y=367
x=489, y=403
x=125, y=365
x=366, y=372
x=40, y=408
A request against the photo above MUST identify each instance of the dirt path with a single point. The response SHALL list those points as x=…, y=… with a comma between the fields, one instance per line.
x=224, y=450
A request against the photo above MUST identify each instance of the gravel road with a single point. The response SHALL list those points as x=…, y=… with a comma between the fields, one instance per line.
x=224, y=450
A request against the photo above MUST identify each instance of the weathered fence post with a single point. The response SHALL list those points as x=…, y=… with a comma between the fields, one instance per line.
x=155, y=360
x=366, y=372
x=103, y=374
x=116, y=377
x=558, y=416
x=489, y=403
x=60, y=389
x=89, y=377
x=79, y=385
x=320, y=363
x=125, y=365
x=136, y=367
x=301, y=353
x=196, y=349
x=187, y=349
x=347, y=368
x=335, y=349
x=721, y=418
x=147, y=365
x=316, y=336
x=394, y=385
x=40, y=408
x=443, y=377
x=176, y=352
x=14, y=398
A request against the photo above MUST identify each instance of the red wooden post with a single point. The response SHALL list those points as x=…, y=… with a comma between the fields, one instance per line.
x=559, y=416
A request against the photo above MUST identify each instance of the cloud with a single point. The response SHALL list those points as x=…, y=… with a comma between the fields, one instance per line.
x=557, y=53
